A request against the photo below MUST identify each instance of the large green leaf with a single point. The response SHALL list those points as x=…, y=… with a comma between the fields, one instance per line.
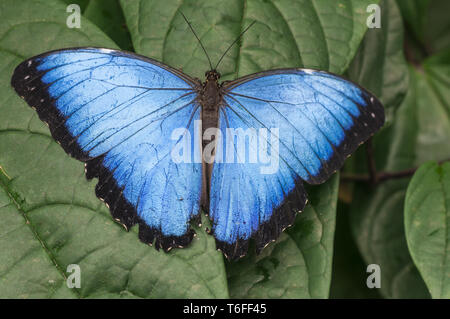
x=427, y=226
x=420, y=133
x=50, y=215
x=316, y=34
x=380, y=64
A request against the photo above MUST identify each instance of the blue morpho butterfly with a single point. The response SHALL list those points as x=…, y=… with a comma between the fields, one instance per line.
x=117, y=111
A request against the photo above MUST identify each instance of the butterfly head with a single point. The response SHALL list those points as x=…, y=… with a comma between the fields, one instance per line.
x=212, y=75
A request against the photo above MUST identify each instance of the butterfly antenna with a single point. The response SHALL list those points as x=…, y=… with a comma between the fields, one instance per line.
x=234, y=42
x=195, y=34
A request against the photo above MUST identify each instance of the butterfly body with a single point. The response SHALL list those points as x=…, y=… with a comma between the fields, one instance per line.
x=118, y=111
x=210, y=99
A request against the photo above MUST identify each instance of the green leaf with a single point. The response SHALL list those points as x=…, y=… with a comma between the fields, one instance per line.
x=380, y=64
x=108, y=16
x=298, y=265
x=50, y=215
x=427, y=225
x=22, y=253
x=82, y=3
x=420, y=133
x=315, y=34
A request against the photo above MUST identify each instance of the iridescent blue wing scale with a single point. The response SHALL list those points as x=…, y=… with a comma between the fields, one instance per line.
x=321, y=119
x=116, y=111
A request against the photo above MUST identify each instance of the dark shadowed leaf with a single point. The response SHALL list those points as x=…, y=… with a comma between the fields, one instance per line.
x=108, y=16
x=349, y=274
x=380, y=64
x=420, y=133
x=428, y=23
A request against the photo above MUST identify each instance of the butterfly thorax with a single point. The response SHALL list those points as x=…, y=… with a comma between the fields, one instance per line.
x=210, y=99
x=210, y=96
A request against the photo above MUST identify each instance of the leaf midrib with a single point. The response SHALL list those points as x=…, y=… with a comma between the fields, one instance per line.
x=14, y=201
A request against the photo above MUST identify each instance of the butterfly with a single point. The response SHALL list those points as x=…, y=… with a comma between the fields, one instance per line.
x=117, y=112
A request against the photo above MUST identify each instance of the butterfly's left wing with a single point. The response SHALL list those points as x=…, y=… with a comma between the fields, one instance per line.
x=313, y=121
x=116, y=111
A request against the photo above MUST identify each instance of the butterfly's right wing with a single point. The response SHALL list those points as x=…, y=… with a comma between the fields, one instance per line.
x=315, y=120
x=117, y=111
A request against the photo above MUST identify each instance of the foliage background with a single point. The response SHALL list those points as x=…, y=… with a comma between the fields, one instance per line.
x=50, y=217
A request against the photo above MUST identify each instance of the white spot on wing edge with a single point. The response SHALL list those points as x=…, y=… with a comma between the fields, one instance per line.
x=106, y=50
x=309, y=71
